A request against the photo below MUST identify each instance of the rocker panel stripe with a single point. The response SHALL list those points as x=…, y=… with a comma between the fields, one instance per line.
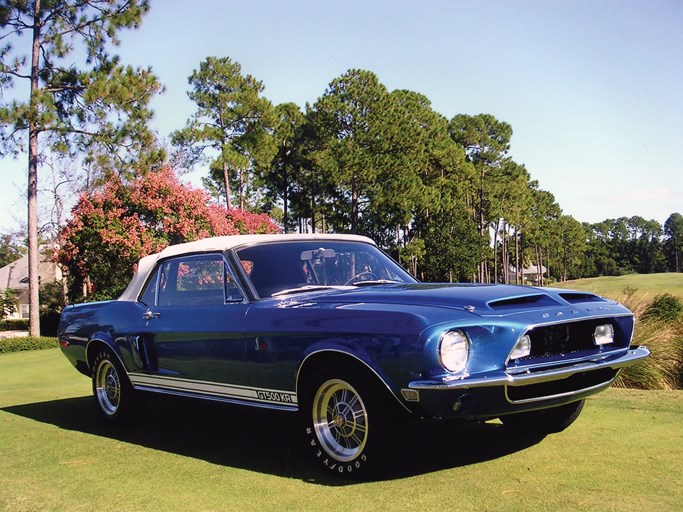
x=213, y=389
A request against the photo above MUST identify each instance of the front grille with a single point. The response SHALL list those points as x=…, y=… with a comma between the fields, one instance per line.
x=575, y=383
x=563, y=339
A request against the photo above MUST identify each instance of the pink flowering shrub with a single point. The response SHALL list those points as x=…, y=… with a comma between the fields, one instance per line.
x=109, y=231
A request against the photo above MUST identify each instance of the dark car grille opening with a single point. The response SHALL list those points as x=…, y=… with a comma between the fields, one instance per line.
x=577, y=382
x=563, y=339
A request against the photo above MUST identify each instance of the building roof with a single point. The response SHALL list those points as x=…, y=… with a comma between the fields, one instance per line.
x=530, y=270
x=15, y=275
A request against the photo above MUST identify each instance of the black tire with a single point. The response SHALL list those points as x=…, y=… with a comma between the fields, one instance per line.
x=343, y=417
x=111, y=388
x=545, y=421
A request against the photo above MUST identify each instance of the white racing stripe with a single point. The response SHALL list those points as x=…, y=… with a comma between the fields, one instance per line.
x=213, y=389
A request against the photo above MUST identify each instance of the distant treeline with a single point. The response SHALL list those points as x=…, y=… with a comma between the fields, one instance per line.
x=441, y=195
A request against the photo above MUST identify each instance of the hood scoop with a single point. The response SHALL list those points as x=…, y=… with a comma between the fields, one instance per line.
x=577, y=297
x=538, y=300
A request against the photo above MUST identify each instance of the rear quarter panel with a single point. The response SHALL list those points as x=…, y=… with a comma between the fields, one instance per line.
x=107, y=322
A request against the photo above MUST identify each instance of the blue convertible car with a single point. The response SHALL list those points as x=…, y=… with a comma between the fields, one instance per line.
x=330, y=327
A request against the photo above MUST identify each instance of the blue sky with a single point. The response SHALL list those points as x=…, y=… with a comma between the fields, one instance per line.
x=592, y=89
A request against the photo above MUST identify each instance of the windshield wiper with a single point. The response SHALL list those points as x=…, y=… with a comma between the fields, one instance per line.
x=309, y=288
x=375, y=282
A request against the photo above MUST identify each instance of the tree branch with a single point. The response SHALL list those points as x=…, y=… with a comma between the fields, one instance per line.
x=16, y=31
x=17, y=23
x=103, y=16
x=14, y=73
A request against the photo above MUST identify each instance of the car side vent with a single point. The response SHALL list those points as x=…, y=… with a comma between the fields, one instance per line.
x=577, y=297
x=538, y=301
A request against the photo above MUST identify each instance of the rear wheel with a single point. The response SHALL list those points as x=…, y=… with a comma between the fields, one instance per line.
x=111, y=388
x=545, y=421
x=344, y=418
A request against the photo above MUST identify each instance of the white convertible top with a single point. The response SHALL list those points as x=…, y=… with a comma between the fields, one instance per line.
x=220, y=243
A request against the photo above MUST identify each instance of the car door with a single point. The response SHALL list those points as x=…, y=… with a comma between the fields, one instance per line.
x=192, y=341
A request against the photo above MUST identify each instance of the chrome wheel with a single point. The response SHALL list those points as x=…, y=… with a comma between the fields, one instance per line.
x=340, y=420
x=107, y=387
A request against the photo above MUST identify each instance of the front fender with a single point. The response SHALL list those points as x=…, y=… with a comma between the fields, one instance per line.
x=334, y=353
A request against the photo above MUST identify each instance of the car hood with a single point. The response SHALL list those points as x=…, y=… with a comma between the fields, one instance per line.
x=479, y=299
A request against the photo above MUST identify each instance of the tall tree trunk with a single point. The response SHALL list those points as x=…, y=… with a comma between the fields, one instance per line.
x=539, y=266
x=517, y=280
x=33, y=248
x=226, y=180
x=312, y=216
x=482, y=265
x=495, y=252
x=505, y=263
x=285, y=201
x=241, y=189
x=354, y=209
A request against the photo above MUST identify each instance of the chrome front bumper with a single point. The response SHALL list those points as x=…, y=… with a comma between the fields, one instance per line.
x=529, y=377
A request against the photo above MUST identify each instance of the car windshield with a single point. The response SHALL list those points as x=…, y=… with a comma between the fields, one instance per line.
x=282, y=267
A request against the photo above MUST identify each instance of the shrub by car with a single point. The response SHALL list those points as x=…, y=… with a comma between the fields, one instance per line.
x=332, y=329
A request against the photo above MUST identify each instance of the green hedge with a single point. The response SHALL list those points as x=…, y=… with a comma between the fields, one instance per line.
x=14, y=325
x=22, y=343
x=48, y=324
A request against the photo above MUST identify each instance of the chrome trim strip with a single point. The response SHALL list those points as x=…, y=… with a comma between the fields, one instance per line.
x=599, y=356
x=215, y=390
x=506, y=379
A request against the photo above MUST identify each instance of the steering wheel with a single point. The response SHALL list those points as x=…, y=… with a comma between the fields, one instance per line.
x=361, y=276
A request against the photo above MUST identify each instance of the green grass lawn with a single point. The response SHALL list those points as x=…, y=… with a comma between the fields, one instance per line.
x=645, y=284
x=625, y=453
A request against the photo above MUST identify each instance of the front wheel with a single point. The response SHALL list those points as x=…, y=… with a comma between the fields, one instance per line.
x=111, y=388
x=545, y=421
x=343, y=423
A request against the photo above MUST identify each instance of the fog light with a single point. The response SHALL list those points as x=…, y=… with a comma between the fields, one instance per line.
x=522, y=348
x=603, y=334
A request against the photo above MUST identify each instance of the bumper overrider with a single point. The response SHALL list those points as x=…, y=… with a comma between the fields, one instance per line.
x=518, y=390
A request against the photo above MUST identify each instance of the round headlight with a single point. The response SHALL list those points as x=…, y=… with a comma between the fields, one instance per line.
x=454, y=350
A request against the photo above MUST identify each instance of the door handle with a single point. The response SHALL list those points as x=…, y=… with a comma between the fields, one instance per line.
x=149, y=314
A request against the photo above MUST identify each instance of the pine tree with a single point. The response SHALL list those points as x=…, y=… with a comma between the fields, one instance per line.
x=96, y=107
x=231, y=128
